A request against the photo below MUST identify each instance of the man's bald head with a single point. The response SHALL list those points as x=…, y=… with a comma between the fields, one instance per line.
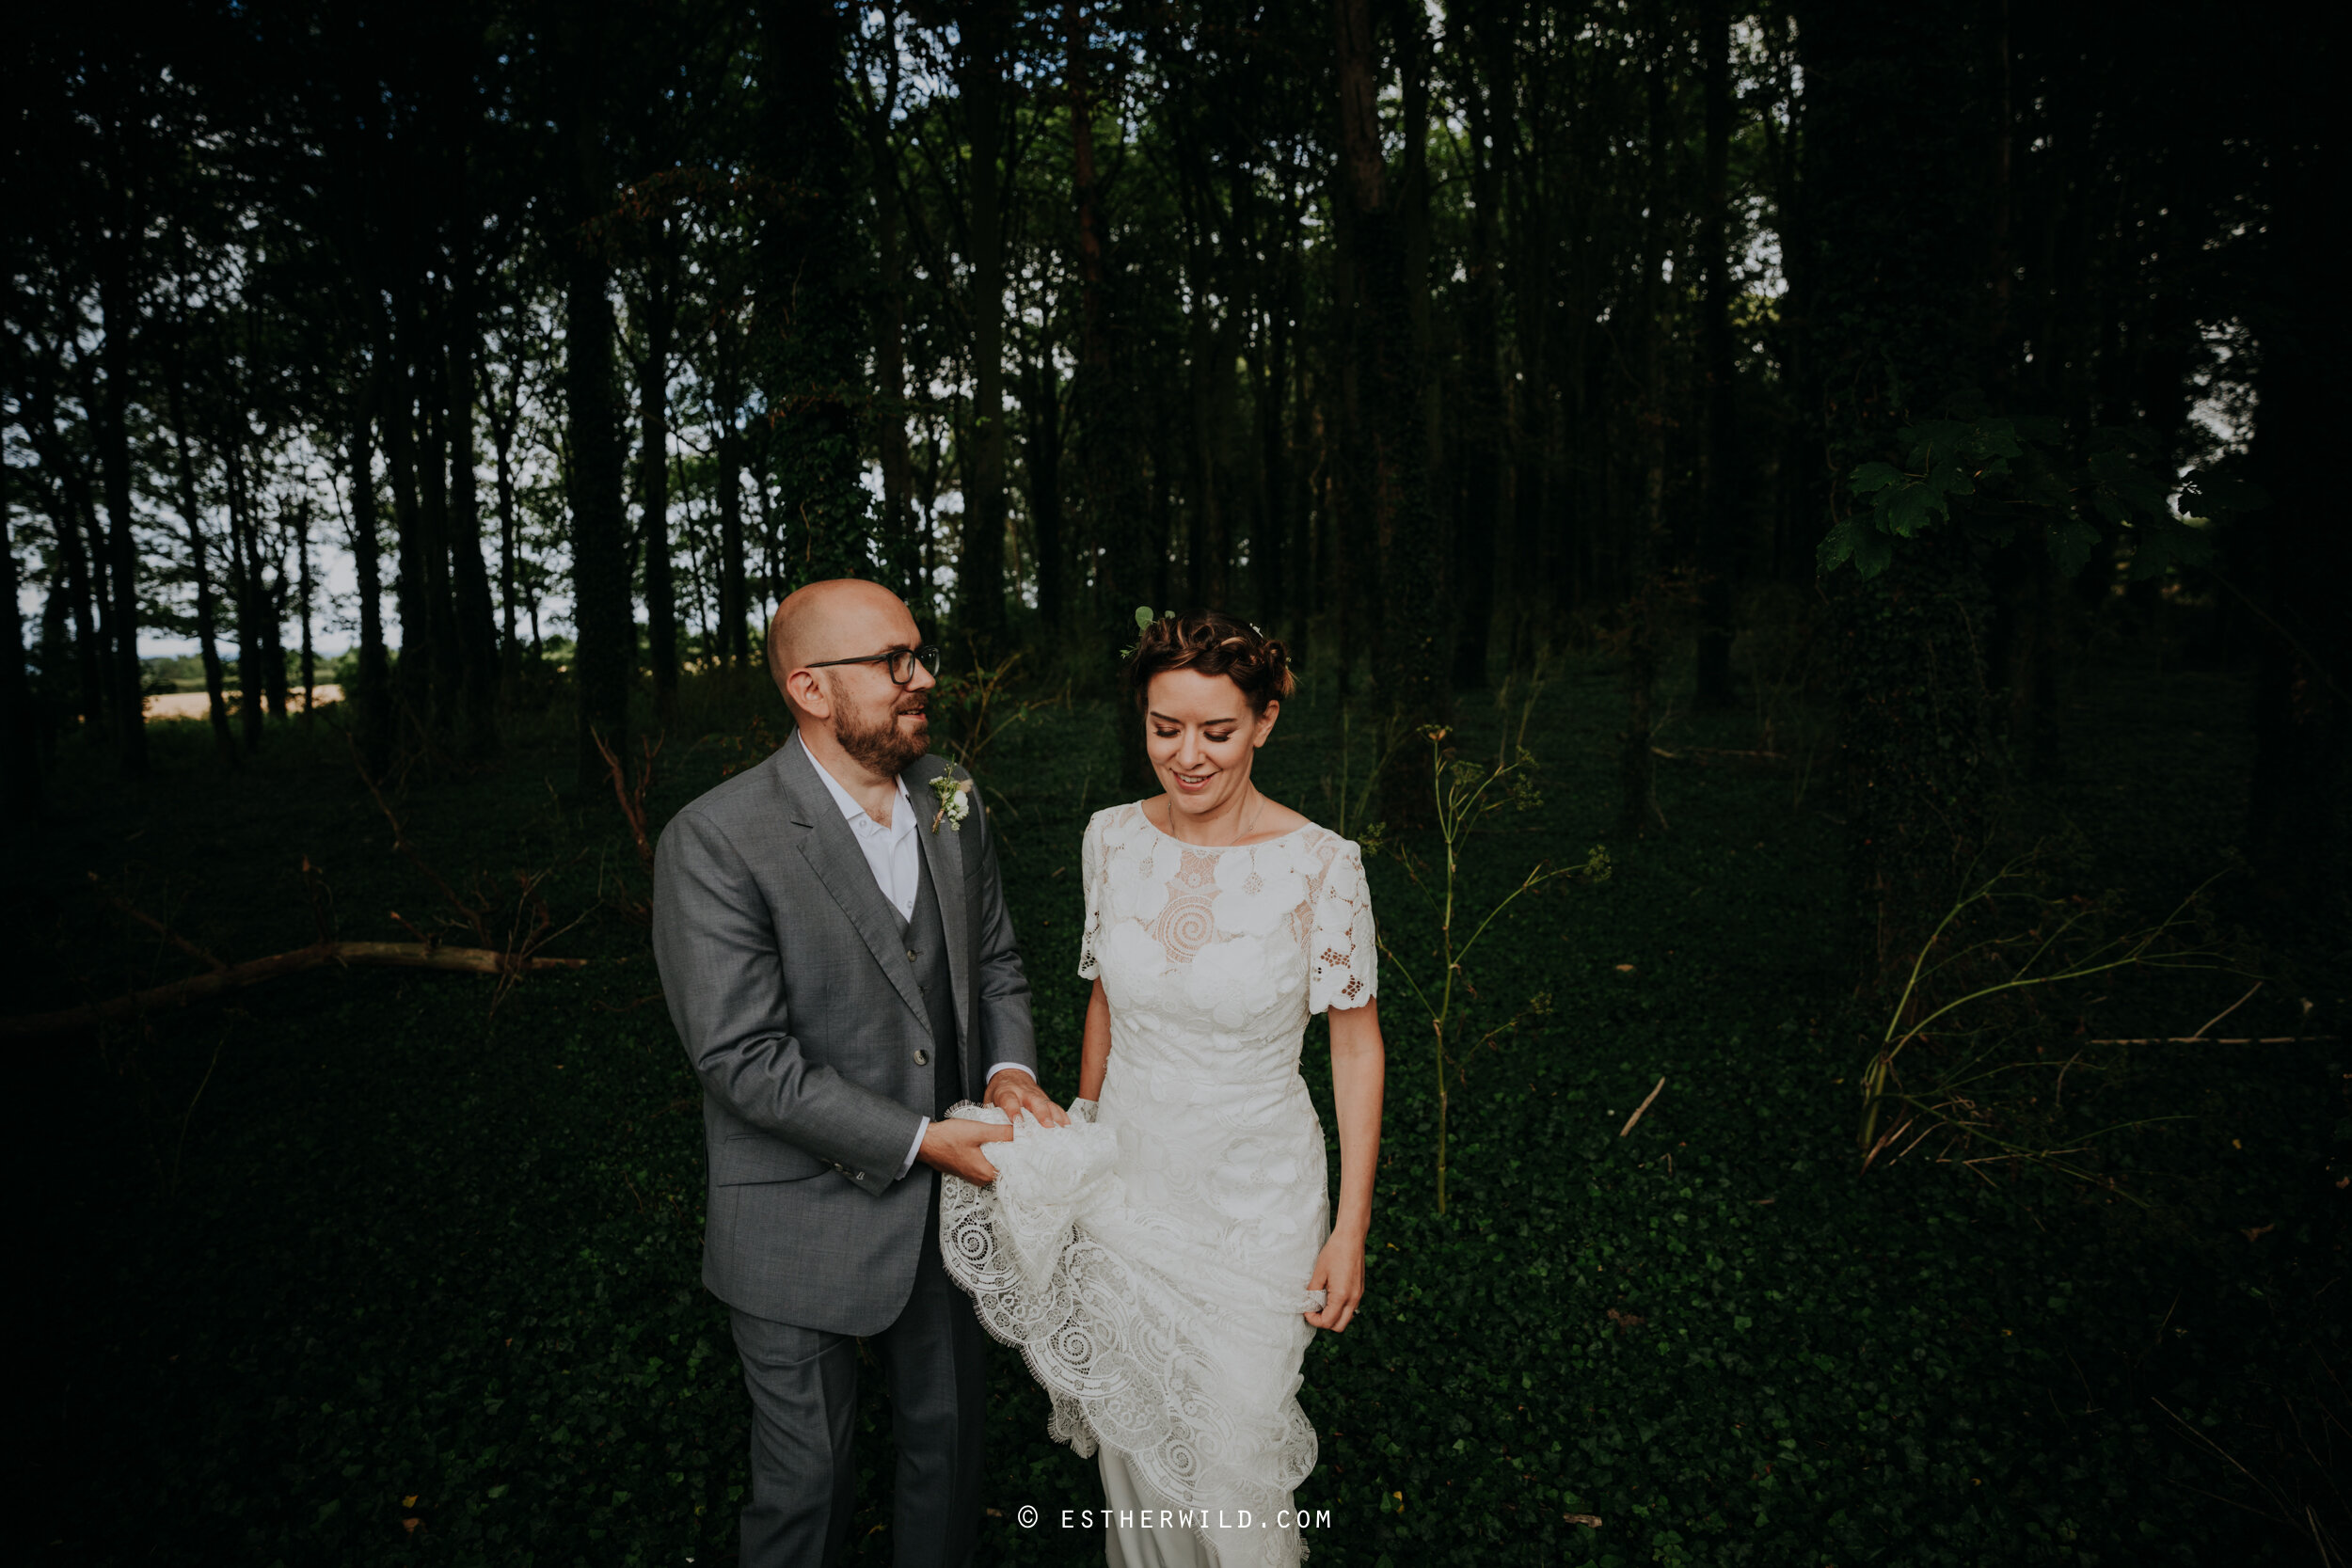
x=840, y=618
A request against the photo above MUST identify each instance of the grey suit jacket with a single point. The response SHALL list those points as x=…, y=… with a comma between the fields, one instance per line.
x=775, y=948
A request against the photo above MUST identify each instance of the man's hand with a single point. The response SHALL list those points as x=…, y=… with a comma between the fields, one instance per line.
x=953, y=1144
x=1013, y=1092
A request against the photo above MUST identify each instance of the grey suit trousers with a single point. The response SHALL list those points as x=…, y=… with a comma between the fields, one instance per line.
x=804, y=1388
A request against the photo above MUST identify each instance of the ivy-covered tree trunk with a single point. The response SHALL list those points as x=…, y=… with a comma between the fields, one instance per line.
x=1719, y=500
x=371, y=693
x=1476, y=526
x=653, y=476
x=980, y=569
x=1892, y=174
x=2296, y=551
x=245, y=581
x=129, y=705
x=477, y=636
x=199, y=569
x=20, y=762
x=75, y=524
x=1409, y=652
x=810, y=325
x=607, y=648
x=412, y=675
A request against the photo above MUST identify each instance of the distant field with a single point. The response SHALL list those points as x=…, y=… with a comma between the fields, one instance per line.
x=191, y=705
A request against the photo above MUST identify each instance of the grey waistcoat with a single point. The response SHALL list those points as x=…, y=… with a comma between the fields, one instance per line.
x=926, y=949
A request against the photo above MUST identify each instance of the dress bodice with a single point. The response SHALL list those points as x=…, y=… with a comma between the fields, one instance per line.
x=1223, y=950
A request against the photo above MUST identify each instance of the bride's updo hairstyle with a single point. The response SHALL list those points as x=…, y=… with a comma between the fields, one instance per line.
x=1215, y=643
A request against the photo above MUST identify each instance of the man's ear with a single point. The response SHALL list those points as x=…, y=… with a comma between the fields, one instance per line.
x=805, y=690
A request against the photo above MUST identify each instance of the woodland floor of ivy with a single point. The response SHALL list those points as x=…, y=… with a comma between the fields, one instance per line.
x=403, y=1261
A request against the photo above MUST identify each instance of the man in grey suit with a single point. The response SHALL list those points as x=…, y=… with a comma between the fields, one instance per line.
x=838, y=963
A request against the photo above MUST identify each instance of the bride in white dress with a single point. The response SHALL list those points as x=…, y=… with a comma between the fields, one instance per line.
x=1163, y=1260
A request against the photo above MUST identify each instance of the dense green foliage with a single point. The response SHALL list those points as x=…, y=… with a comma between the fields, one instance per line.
x=352, y=1241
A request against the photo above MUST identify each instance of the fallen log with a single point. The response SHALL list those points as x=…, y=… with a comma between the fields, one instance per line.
x=351, y=955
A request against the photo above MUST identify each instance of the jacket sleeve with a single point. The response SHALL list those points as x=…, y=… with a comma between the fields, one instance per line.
x=722, y=975
x=1001, y=1015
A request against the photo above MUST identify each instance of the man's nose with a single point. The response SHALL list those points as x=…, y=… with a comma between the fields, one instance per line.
x=920, y=678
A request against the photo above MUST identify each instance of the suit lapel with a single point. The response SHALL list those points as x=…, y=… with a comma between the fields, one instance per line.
x=942, y=851
x=833, y=853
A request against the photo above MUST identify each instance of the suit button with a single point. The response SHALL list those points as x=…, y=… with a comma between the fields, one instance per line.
x=922, y=1058
x=911, y=958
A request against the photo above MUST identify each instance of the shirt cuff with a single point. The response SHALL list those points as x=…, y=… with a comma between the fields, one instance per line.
x=1002, y=1067
x=916, y=1147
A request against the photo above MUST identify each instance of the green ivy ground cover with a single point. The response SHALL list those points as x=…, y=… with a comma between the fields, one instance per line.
x=408, y=1282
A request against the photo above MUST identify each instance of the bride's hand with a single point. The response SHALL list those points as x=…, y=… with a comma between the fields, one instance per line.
x=1339, y=1275
x=1013, y=1092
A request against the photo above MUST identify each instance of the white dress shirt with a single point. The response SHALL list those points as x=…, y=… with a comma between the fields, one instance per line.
x=895, y=857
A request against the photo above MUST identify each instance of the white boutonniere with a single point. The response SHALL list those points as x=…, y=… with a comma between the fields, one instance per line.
x=955, y=802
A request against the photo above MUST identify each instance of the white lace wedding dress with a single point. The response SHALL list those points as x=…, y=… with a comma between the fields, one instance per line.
x=1152, y=1266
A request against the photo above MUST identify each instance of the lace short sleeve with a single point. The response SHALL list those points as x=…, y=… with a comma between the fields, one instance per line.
x=1090, y=875
x=1346, y=953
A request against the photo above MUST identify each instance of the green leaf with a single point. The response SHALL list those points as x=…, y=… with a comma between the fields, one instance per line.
x=1874, y=476
x=1871, y=552
x=1911, y=509
x=2071, y=541
x=1836, y=545
x=2131, y=486
x=1143, y=617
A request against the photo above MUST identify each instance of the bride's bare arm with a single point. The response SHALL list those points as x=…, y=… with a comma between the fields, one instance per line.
x=1094, y=1045
x=1359, y=1078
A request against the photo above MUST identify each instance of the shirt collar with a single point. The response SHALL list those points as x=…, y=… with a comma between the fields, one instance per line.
x=901, y=819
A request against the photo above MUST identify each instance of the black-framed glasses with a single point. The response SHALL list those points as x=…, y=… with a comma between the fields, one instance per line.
x=900, y=660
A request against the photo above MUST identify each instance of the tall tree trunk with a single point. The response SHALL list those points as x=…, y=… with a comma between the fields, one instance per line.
x=77, y=525
x=1718, y=557
x=310, y=656
x=20, y=762
x=245, y=576
x=1270, y=553
x=1040, y=458
x=1637, y=764
x=607, y=648
x=980, y=572
x=370, y=694
x=653, y=475
x=810, y=354
x=510, y=648
x=734, y=594
x=278, y=593
x=411, y=686
x=900, y=565
x=1475, y=526
x=1409, y=644
x=207, y=606
x=117, y=310
x=1890, y=264
x=470, y=575
x=2298, y=553
x=434, y=467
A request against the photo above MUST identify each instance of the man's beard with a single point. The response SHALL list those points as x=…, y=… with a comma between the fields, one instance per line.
x=882, y=746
